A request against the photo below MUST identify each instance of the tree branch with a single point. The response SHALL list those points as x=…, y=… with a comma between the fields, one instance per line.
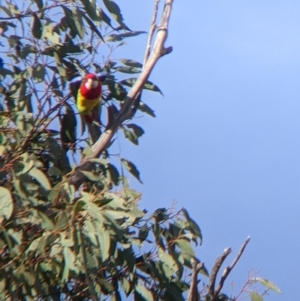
x=214, y=272
x=127, y=109
x=151, y=32
x=228, y=269
x=193, y=292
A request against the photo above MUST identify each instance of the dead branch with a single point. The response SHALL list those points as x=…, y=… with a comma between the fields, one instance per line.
x=193, y=292
x=228, y=269
x=214, y=272
x=212, y=292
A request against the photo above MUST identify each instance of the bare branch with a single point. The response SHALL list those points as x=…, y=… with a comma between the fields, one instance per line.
x=151, y=32
x=228, y=269
x=214, y=272
x=127, y=110
x=193, y=292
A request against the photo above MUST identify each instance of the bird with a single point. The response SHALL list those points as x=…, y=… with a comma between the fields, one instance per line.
x=87, y=93
x=89, y=97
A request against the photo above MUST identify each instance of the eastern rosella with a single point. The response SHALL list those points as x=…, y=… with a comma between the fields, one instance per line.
x=87, y=94
x=89, y=97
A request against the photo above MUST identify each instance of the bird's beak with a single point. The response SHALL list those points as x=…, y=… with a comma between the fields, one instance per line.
x=91, y=84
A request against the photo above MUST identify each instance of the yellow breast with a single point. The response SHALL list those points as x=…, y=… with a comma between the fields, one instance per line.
x=84, y=105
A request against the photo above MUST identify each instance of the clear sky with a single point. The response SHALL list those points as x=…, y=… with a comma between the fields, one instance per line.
x=226, y=140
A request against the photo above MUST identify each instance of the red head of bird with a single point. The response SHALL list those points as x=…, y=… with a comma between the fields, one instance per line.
x=91, y=86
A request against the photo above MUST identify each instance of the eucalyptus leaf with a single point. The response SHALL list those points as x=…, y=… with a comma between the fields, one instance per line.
x=131, y=63
x=40, y=177
x=6, y=204
x=254, y=296
x=131, y=168
x=148, y=85
x=122, y=36
x=268, y=284
x=144, y=292
x=146, y=109
x=37, y=27
x=115, y=12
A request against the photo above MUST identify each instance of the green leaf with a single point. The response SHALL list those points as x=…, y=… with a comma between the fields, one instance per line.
x=99, y=161
x=185, y=246
x=92, y=26
x=138, y=131
x=26, y=50
x=91, y=9
x=121, y=36
x=79, y=206
x=125, y=284
x=255, y=297
x=118, y=92
x=132, y=169
x=62, y=219
x=130, y=136
x=92, y=177
x=92, y=264
x=103, y=202
x=6, y=10
x=173, y=292
x=46, y=222
x=114, y=174
x=73, y=21
x=68, y=126
x=268, y=284
x=104, y=242
x=69, y=257
x=115, y=12
x=204, y=270
x=13, y=8
x=143, y=232
x=5, y=72
x=146, y=109
x=106, y=286
x=169, y=265
x=126, y=69
x=131, y=63
x=144, y=292
x=148, y=85
x=40, y=177
x=2, y=288
x=105, y=18
x=129, y=258
x=77, y=16
x=61, y=69
x=14, y=41
x=50, y=36
x=37, y=27
x=192, y=225
x=38, y=73
x=6, y=204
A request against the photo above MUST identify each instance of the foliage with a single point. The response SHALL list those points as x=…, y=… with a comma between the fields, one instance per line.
x=58, y=242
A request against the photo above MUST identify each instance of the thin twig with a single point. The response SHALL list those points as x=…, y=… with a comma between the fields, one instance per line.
x=228, y=269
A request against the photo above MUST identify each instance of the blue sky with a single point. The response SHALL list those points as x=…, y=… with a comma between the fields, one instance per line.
x=226, y=140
